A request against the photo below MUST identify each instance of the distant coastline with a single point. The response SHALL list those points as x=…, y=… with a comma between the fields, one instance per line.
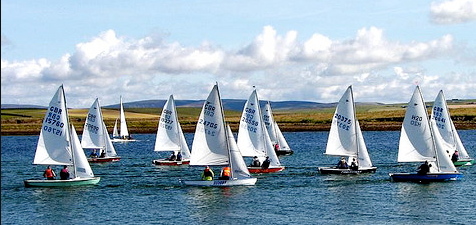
x=145, y=120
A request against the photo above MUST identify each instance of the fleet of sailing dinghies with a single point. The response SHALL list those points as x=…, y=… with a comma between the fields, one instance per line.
x=170, y=137
x=96, y=138
x=253, y=138
x=346, y=140
x=432, y=141
x=124, y=135
x=440, y=115
x=58, y=144
x=280, y=144
x=214, y=145
x=420, y=141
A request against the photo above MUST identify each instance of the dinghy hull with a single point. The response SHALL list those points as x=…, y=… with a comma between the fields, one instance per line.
x=164, y=162
x=464, y=162
x=268, y=170
x=104, y=160
x=425, y=178
x=62, y=183
x=123, y=140
x=284, y=152
x=333, y=170
x=220, y=183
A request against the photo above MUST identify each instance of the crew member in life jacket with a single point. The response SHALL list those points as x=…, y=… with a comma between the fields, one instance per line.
x=49, y=173
x=64, y=173
x=207, y=173
x=225, y=173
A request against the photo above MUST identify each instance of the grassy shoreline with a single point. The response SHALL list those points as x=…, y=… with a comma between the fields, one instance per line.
x=145, y=120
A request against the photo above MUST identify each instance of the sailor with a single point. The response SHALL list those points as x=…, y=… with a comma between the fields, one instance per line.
x=49, y=173
x=225, y=173
x=207, y=174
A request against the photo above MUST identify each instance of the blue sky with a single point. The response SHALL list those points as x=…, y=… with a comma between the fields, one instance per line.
x=290, y=50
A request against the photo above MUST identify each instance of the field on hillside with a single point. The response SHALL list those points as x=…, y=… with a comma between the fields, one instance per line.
x=145, y=120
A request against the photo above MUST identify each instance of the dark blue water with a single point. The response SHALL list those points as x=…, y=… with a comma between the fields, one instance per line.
x=133, y=191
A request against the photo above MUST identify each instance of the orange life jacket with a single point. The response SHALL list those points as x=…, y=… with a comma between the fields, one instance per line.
x=49, y=173
x=226, y=171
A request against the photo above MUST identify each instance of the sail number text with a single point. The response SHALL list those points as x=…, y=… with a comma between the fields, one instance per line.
x=165, y=120
x=342, y=121
x=438, y=117
x=91, y=127
x=416, y=121
x=54, y=120
x=248, y=120
x=209, y=109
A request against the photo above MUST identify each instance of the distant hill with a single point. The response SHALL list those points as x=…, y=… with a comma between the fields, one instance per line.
x=18, y=106
x=228, y=104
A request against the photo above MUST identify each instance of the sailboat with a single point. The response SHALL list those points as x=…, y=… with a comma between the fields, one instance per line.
x=346, y=140
x=124, y=132
x=115, y=133
x=420, y=143
x=95, y=136
x=58, y=144
x=277, y=137
x=215, y=145
x=170, y=136
x=446, y=128
x=253, y=137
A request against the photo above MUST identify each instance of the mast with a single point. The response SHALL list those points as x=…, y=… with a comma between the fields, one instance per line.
x=69, y=132
x=177, y=124
x=355, y=124
x=263, y=127
x=104, y=132
x=274, y=124
x=226, y=131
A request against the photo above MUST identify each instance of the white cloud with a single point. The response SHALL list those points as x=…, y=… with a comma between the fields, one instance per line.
x=281, y=66
x=453, y=11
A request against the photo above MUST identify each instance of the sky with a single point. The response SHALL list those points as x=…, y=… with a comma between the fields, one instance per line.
x=289, y=50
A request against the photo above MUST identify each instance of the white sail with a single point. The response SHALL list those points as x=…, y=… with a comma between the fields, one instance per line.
x=253, y=138
x=363, y=158
x=169, y=133
x=237, y=165
x=283, y=144
x=416, y=141
x=167, y=138
x=251, y=135
x=115, y=133
x=443, y=163
x=268, y=120
x=81, y=165
x=463, y=154
x=342, y=139
x=272, y=127
x=345, y=136
x=445, y=126
x=110, y=150
x=54, y=147
x=210, y=145
x=124, y=131
x=94, y=132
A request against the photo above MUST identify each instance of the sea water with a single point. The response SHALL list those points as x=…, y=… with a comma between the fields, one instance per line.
x=134, y=191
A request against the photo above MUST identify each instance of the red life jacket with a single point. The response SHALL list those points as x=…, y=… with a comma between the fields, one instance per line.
x=49, y=172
